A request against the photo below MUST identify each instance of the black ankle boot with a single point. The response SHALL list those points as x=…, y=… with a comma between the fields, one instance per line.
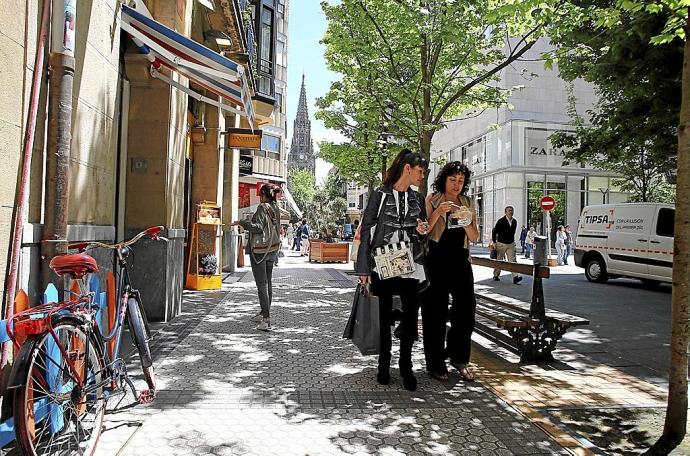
x=409, y=380
x=405, y=364
x=383, y=376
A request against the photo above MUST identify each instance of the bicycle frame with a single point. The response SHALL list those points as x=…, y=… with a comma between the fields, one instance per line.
x=38, y=320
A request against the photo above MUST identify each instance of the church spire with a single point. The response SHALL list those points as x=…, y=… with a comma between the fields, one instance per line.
x=302, y=108
x=301, y=154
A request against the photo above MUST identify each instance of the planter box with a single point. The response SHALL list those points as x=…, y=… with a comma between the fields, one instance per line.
x=329, y=252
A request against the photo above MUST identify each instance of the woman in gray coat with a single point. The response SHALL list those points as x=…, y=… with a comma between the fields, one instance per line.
x=264, y=244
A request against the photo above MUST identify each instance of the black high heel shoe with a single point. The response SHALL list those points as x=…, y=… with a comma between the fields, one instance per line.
x=409, y=380
x=383, y=377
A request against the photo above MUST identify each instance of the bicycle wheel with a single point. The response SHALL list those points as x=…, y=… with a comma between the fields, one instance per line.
x=139, y=333
x=55, y=412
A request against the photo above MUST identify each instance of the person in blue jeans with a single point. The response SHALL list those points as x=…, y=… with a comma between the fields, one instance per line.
x=529, y=242
x=568, y=244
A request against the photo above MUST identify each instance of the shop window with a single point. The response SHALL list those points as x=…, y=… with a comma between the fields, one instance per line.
x=270, y=143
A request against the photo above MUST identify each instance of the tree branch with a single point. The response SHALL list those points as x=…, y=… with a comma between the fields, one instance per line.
x=466, y=88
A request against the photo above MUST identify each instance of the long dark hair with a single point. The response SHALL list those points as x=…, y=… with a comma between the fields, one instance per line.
x=270, y=191
x=405, y=157
x=451, y=169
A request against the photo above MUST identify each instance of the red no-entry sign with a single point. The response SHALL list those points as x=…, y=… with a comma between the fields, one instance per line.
x=547, y=203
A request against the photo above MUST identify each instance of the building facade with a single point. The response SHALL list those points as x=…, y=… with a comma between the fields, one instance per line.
x=269, y=163
x=301, y=154
x=357, y=198
x=149, y=127
x=510, y=155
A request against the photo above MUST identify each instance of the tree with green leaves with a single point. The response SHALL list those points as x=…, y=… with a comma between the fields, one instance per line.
x=433, y=59
x=327, y=207
x=633, y=128
x=358, y=117
x=677, y=27
x=302, y=184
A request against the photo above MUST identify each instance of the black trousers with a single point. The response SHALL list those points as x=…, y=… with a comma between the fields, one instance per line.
x=407, y=290
x=447, y=280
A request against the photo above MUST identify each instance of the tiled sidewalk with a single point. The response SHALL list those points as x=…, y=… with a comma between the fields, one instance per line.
x=301, y=389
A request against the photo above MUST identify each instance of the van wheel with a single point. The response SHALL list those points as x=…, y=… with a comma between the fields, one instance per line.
x=595, y=271
x=650, y=283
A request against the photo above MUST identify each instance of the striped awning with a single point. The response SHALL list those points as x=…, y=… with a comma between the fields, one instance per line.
x=166, y=47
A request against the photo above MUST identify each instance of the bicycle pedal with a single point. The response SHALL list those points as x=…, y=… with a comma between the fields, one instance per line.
x=146, y=397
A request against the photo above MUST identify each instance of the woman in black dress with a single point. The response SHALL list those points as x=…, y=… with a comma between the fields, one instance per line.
x=453, y=225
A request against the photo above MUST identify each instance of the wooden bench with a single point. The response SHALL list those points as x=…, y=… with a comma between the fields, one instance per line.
x=328, y=252
x=532, y=330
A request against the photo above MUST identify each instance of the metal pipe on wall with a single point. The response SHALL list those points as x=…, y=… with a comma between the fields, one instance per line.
x=22, y=199
x=62, y=65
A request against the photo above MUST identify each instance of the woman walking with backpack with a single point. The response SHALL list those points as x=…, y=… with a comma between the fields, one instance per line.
x=395, y=213
x=264, y=243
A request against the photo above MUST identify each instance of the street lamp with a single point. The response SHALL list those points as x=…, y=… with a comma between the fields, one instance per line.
x=604, y=193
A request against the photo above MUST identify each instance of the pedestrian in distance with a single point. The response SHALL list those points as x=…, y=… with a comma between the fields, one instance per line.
x=560, y=244
x=397, y=213
x=503, y=241
x=297, y=243
x=290, y=236
x=304, y=238
x=568, y=244
x=529, y=242
x=264, y=243
x=453, y=225
x=523, y=236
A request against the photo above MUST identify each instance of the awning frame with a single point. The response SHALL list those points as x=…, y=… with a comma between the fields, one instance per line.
x=220, y=75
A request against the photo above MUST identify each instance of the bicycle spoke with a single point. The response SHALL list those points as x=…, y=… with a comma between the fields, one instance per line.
x=69, y=413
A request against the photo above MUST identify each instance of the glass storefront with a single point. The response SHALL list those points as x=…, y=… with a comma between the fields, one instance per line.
x=524, y=191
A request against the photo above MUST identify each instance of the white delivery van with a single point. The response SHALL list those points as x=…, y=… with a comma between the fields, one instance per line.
x=626, y=240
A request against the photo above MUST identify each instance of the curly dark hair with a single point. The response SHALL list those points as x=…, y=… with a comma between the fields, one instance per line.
x=451, y=169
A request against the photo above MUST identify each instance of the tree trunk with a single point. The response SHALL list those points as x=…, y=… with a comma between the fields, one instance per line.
x=425, y=150
x=677, y=409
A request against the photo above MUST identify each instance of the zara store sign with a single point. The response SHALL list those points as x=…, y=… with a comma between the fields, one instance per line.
x=539, y=151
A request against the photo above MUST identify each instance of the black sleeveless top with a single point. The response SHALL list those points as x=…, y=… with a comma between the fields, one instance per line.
x=450, y=247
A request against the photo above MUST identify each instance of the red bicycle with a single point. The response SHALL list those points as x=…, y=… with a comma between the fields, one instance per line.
x=65, y=372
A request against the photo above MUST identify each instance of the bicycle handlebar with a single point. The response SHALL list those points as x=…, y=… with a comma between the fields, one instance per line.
x=152, y=231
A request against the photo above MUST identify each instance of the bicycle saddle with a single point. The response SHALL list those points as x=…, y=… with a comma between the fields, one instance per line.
x=76, y=264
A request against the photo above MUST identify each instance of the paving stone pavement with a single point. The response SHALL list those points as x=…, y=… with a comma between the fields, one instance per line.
x=300, y=389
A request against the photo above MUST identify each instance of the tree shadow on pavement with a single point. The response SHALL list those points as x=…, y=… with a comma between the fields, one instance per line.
x=302, y=389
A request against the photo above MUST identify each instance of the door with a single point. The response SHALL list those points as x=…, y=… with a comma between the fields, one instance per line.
x=661, y=245
x=629, y=240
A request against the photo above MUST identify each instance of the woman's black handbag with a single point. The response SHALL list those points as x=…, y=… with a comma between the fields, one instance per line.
x=363, y=326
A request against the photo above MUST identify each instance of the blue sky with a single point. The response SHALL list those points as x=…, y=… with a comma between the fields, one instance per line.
x=305, y=54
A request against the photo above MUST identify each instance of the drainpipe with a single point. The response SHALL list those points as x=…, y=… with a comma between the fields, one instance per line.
x=59, y=136
x=23, y=190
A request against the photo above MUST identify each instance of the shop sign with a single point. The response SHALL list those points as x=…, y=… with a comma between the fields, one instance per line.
x=246, y=165
x=540, y=152
x=242, y=138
